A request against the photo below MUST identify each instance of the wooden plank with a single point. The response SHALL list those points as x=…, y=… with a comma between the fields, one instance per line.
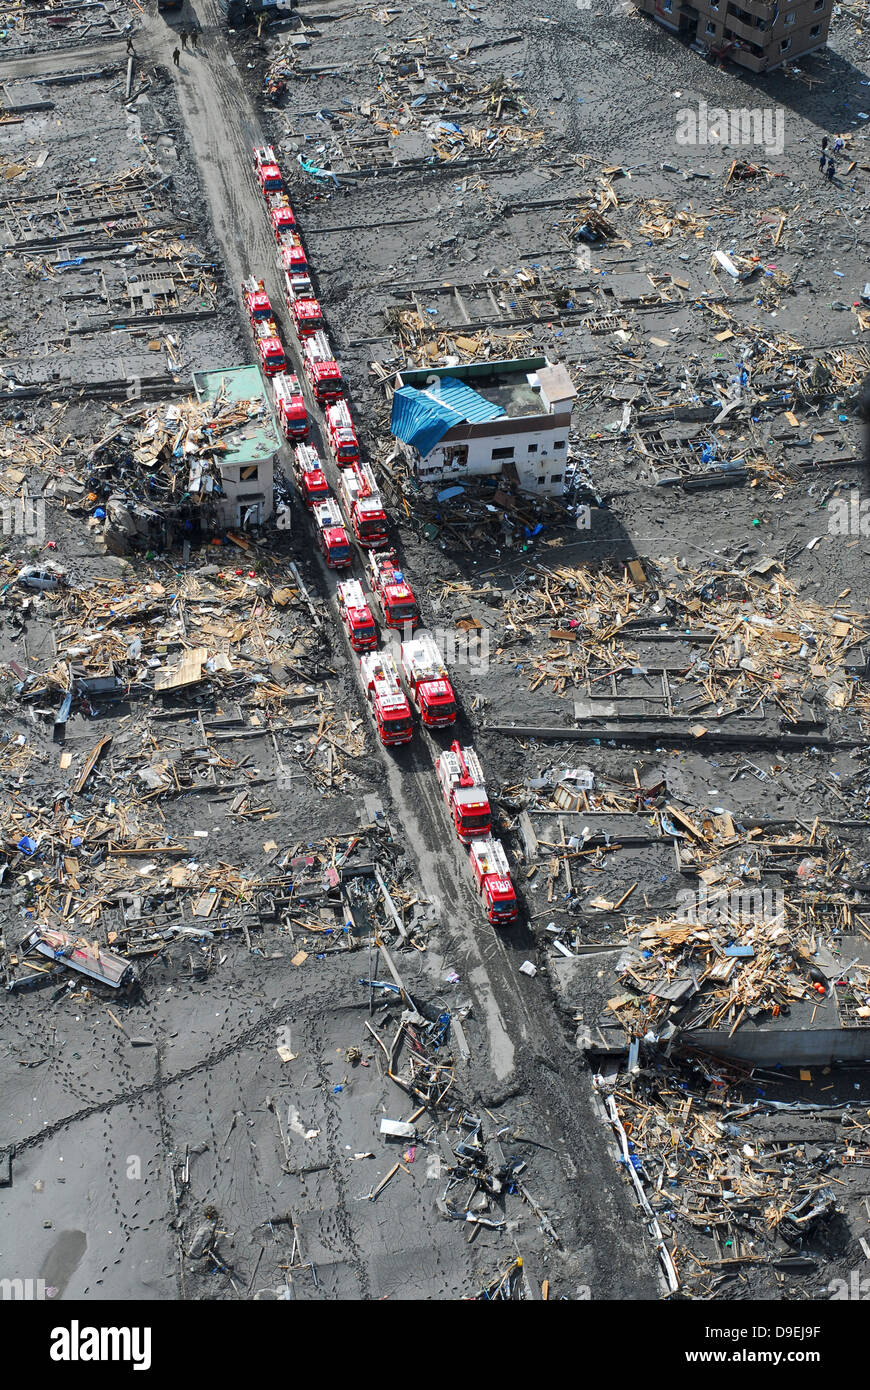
x=91, y=762
x=187, y=672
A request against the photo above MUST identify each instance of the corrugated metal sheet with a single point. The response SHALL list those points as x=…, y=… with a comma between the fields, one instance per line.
x=468, y=404
x=419, y=421
x=422, y=418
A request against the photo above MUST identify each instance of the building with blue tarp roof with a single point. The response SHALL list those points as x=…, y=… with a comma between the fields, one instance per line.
x=483, y=418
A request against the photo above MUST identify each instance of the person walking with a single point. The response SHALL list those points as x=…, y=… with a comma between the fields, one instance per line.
x=830, y=171
x=824, y=143
x=194, y=35
x=130, y=48
x=176, y=54
x=183, y=36
x=822, y=162
x=839, y=145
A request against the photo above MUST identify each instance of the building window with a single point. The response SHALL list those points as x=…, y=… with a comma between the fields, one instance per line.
x=559, y=444
x=533, y=448
x=711, y=28
x=502, y=454
x=785, y=45
x=819, y=5
x=541, y=481
x=667, y=6
x=789, y=19
x=556, y=478
x=815, y=31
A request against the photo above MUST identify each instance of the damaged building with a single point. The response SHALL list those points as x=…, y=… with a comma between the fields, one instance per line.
x=755, y=35
x=485, y=418
x=175, y=474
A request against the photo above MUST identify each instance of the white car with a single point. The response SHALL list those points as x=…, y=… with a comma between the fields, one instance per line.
x=43, y=578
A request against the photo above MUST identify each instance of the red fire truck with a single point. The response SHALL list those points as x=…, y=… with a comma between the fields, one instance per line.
x=493, y=878
x=322, y=369
x=341, y=434
x=462, y=784
x=283, y=221
x=269, y=347
x=362, y=506
x=395, y=598
x=294, y=264
x=309, y=475
x=390, y=709
x=256, y=300
x=266, y=168
x=307, y=317
x=427, y=679
x=332, y=535
x=357, y=616
x=290, y=405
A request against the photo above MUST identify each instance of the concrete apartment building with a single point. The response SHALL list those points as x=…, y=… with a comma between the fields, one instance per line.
x=246, y=466
x=755, y=34
x=483, y=417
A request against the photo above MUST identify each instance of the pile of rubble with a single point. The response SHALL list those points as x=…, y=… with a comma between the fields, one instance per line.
x=481, y=1175
x=113, y=879
x=155, y=476
x=759, y=640
x=730, y=1178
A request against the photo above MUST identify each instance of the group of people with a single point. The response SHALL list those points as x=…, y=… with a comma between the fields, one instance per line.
x=826, y=163
x=184, y=35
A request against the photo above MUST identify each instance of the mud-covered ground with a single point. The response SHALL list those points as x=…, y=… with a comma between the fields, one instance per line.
x=128, y=1143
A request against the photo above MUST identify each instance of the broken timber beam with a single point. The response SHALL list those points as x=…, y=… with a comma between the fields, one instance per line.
x=646, y=737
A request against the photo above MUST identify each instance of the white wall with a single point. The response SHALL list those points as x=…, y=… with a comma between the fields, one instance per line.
x=235, y=487
x=535, y=455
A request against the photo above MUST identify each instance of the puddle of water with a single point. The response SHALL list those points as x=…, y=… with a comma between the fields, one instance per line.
x=63, y=1259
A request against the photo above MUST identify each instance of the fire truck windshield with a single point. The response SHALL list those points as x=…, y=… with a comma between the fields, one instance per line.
x=339, y=552
x=473, y=822
x=402, y=612
x=398, y=726
x=364, y=634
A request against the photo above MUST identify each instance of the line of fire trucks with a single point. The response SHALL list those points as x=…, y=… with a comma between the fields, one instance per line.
x=358, y=510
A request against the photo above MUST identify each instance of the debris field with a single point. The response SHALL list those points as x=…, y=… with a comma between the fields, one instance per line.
x=649, y=1080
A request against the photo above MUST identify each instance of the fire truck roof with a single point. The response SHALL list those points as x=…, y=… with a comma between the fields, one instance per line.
x=469, y=797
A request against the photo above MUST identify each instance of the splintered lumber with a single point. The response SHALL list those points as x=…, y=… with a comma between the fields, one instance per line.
x=390, y=906
x=383, y=1182
x=187, y=672
x=90, y=762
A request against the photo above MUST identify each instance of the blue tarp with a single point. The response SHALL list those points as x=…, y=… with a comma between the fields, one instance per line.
x=422, y=418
